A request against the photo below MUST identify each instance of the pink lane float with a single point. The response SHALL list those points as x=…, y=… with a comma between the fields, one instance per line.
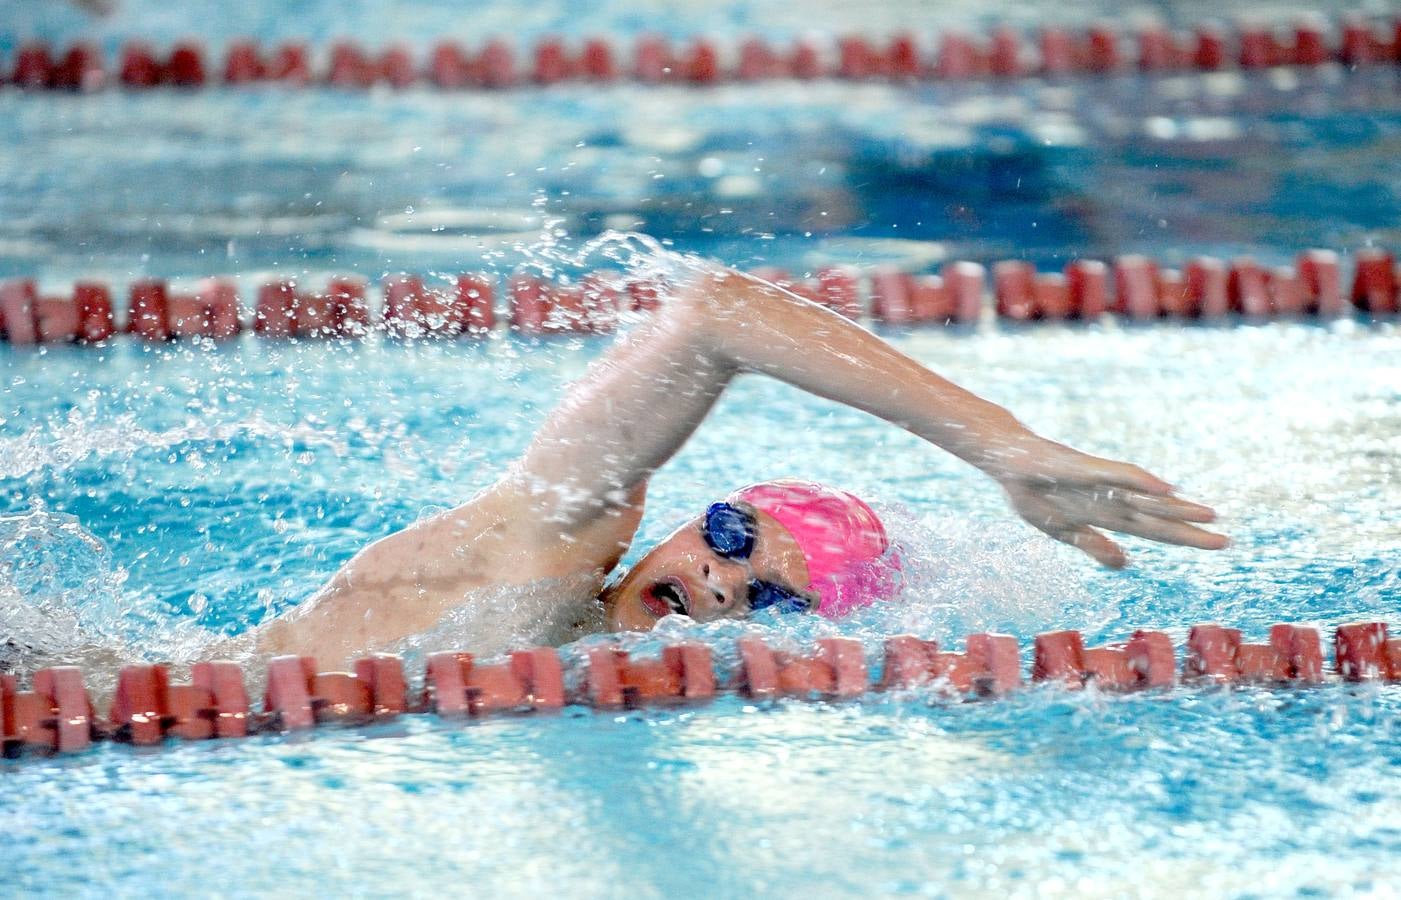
x=56, y=715
x=1002, y=52
x=1132, y=287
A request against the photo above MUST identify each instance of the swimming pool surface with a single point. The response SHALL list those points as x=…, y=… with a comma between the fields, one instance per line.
x=159, y=495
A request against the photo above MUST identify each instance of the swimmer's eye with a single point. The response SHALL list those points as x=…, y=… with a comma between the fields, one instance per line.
x=764, y=594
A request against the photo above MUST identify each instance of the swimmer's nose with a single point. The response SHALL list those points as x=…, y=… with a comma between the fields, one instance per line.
x=725, y=584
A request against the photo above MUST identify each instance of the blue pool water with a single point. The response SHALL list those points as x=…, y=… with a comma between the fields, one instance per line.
x=157, y=496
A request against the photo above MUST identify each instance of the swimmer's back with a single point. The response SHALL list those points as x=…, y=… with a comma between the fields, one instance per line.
x=408, y=583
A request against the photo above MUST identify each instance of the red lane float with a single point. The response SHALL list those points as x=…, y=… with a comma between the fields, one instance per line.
x=1363, y=652
x=552, y=62
x=139, y=68
x=74, y=719
x=1206, y=288
x=1005, y=58
x=910, y=662
x=1375, y=284
x=1146, y=660
x=139, y=705
x=34, y=67
x=1060, y=657
x=185, y=67
x=148, y=314
x=806, y=61
x=275, y=312
x=57, y=716
x=991, y=665
x=1059, y=53
x=449, y=67
x=287, y=700
x=597, y=62
x=932, y=303
x=1136, y=287
x=701, y=64
x=1247, y=288
x=496, y=66
x=653, y=60
x=28, y=318
x=1087, y=282
x=243, y=63
x=959, y=58
x=1151, y=658
x=211, y=311
x=299, y=697
x=1109, y=668
x=1002, y=52
x=837, y=670
x=411, y=310
x=1322, y=279
x=965, y=283
x=456, y=685
x=397, y=68
x=1014, y=289
x=684, y=672
x=997, y=660
x=1211, y=652
x=19, y=301
x=28, y=720
x=228, y=698
x=758, y=61
x=290, y=65
x=1301, y=650
x=1209, y=52
x=892, y=297
x=80, y=69
x=351, y=67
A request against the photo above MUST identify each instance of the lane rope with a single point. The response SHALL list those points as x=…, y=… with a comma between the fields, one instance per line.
x=1000, y=52
x=1131, y=287
x=56, y=714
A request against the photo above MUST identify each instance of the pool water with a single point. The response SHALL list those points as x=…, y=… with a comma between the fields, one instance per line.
x=158, y=496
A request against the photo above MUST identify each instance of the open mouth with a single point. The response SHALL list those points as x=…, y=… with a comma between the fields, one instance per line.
x=664, y=598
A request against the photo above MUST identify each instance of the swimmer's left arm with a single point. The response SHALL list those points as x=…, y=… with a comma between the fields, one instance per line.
x=641, y=402
x=1061, y=491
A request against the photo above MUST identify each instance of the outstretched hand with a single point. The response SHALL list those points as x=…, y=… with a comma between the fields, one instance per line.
x=1071, y=496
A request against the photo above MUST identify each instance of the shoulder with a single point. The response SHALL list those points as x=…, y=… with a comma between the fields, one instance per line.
x=509, y=528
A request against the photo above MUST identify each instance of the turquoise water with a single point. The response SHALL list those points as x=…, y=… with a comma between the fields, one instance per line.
x=157, y=496
x=224, y=483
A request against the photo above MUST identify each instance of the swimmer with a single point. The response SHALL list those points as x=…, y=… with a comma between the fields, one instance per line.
x=565, y=513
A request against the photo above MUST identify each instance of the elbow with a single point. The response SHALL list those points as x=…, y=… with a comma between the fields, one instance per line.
x=715, y=310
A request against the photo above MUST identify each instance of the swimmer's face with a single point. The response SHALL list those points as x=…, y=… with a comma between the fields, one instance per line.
x=683, y=575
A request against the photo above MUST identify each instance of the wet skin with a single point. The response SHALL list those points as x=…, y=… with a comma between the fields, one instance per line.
x=683, y=575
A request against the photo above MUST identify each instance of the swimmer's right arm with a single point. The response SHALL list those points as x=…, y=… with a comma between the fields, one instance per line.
x=639, y=404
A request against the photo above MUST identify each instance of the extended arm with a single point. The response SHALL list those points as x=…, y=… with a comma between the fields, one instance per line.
x=640, y=403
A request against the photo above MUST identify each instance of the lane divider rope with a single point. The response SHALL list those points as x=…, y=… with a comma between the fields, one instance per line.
x=1133, y=287
x=56, y=714
x=1002, y=52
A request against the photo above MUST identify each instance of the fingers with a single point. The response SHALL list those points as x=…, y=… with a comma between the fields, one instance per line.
x=1170, y=507
x=1165, y=531
x=1102, y=549
x=1118, y=474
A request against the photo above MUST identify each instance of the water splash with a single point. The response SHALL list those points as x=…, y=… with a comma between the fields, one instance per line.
x=58, y=589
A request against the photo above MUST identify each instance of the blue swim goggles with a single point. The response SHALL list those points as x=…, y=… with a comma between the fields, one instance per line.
x=729, y=531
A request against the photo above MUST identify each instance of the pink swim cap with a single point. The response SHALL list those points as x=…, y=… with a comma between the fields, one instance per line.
x=850, y=561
